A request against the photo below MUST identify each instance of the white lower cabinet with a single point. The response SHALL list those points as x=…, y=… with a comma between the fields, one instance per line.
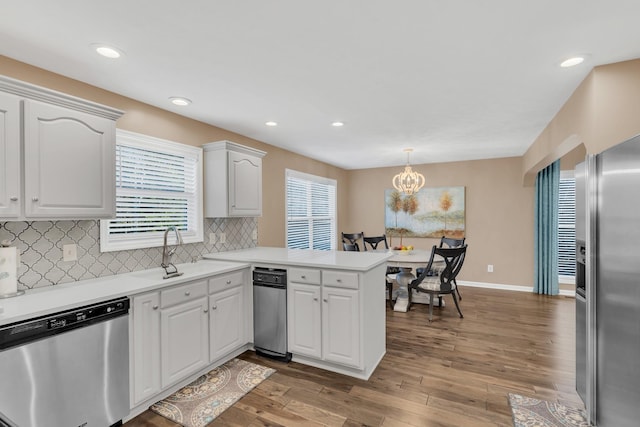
x=226, y=322
x=145, y=347
x=341, y=326
x=182, y=329
x=305, y=319
x=184, y=337
x=324, y=321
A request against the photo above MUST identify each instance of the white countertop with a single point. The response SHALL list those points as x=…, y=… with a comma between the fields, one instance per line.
x=51, y=299
x=357, y=261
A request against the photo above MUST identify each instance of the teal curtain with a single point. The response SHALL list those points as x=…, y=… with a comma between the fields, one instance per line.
x=546, y=230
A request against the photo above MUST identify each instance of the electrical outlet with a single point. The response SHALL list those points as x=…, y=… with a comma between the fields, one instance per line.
x=212, y=238
x=254, y=235
x=490, y=268
x=69, y=252
x=223, y=238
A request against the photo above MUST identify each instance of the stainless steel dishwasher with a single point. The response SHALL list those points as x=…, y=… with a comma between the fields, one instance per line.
x=270, y=313
x=68, y=369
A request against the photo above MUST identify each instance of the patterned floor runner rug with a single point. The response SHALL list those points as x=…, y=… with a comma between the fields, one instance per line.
x=202, y=401
x=530, y=412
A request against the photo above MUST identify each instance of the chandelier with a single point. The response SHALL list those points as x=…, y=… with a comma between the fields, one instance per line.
x=408, y=181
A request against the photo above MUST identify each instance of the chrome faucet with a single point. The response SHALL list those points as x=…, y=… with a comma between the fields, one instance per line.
x=170, y=269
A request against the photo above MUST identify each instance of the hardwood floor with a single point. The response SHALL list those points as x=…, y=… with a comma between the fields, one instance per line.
x=452, y=372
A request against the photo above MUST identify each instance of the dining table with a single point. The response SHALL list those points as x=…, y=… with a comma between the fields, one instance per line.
x=409, y=261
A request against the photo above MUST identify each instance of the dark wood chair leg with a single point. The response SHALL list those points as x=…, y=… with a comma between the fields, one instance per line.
x=455, y=300
x=390, y=290
x=430, y=307
x=457, y=291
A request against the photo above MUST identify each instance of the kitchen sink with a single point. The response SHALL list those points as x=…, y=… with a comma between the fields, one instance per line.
x=188, y=270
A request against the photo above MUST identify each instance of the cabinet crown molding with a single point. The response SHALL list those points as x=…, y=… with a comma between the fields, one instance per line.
x=39, y=93
x=232, y=146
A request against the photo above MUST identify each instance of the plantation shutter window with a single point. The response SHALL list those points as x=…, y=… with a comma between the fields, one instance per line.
x=567, y=228
x=158, y=184
x=311, y=211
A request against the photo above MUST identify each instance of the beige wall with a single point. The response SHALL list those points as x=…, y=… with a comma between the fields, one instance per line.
x=499, y=214
x=601, y=112
x=145, y=119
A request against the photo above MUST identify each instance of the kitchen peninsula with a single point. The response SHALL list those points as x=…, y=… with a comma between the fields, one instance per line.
x=335, y=305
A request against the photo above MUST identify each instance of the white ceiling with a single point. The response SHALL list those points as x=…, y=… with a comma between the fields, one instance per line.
x=453, y=79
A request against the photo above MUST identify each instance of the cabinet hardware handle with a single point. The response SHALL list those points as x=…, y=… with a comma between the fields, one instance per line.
x=35, y=199
x=325, y=300
x=14, y=199
x=339, y=280
x=228, y=282
x=303, y=277
x=206, y=310
x=315, y=299
x=187, y=293
x=215, y=307
x=155, y=307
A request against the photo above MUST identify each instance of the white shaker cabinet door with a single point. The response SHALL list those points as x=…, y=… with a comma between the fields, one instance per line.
x=305, y=324
x=9, y=156
x=341, y=326
x=145, y=347
x=245, y=185
x=226, y=322
x=69, y=161
x=184, y=340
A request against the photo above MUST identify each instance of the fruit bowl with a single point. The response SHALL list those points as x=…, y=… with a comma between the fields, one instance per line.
x=403, y=251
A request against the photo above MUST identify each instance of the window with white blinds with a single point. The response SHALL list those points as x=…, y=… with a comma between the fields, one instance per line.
x=311, y=211
x=567, y=228
x=158, y=184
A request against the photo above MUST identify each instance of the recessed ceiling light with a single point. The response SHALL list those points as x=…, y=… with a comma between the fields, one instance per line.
x=107, y=51
x=177, y=100
x=571, y=62
x=271, y=123
x=337, y=124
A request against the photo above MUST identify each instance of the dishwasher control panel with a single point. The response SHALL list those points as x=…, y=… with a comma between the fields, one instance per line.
x=273, y=276
x=27, y=330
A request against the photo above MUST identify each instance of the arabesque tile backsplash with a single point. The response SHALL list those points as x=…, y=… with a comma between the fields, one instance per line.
x=40, y=245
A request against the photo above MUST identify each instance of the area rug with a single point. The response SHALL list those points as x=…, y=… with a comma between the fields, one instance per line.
x=202, y=401
x=530, y=412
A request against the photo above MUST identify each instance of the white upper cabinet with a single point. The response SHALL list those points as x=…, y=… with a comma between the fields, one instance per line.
x=62, y=164
x=9, y=156
x=233, y=180
x=69, y=163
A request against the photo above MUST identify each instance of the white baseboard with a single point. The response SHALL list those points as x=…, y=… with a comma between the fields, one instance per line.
x=564, y=292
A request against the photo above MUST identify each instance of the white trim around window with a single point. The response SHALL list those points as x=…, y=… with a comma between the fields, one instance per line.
x=158, y=184
x=311, y=211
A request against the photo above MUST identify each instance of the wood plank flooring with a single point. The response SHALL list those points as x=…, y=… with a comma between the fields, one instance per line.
x=450, y=373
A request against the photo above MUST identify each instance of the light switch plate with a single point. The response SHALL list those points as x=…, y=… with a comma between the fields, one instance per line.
x=223, y=238
x=69, y=252
x=212, y=238
x=254, y=235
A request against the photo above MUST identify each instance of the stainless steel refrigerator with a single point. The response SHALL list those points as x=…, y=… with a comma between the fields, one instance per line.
x=612, y=231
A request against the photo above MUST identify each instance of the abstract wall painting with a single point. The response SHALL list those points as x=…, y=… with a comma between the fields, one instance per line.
x=432, y=212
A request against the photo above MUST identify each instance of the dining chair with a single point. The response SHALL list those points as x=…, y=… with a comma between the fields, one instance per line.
x=350, y=247
x=373, y=243
x=439, y=279
x=352, y=239
x=453, y=243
